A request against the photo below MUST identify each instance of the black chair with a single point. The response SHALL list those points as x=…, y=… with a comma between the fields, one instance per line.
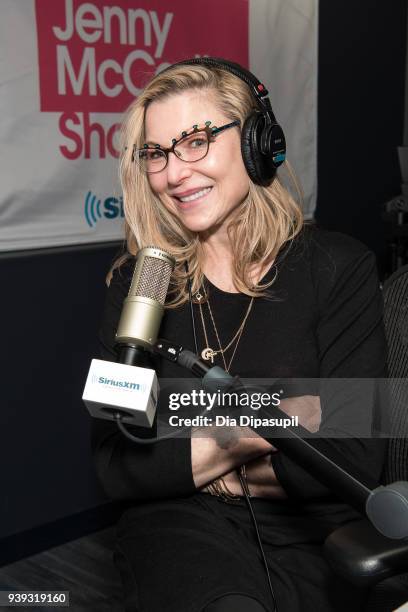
x=358, y=551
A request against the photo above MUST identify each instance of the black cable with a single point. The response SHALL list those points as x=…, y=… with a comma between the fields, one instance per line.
x=126, y=432
x=244, y=487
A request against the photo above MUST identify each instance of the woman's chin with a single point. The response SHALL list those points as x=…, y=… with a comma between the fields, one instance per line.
x=198, y=228
x=196, y=223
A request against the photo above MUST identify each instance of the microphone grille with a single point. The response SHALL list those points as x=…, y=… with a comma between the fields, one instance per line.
x=154, y=269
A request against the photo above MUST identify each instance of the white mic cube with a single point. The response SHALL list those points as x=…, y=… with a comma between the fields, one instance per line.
x=117, y=388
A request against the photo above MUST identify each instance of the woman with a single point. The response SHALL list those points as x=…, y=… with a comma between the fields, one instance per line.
x=271, y=299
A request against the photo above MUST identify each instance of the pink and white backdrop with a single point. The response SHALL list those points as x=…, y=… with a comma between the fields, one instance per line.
x=68, y=70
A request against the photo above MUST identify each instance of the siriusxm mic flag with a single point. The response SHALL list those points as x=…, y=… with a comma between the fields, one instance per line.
x=116, y=387
x=70, y=69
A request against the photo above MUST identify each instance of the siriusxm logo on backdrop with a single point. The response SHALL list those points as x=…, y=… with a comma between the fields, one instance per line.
x=123, y=384
x=95, y=209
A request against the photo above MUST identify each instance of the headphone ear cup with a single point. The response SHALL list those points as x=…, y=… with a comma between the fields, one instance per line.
x=261, y=169
x=274, y=144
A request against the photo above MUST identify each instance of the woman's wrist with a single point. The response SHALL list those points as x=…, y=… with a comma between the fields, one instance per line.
x=216, y=451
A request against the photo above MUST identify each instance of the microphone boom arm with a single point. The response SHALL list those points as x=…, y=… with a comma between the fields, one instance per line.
x=385, y=506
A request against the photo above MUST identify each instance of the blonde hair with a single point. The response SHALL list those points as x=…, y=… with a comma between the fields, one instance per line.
x=267, y=219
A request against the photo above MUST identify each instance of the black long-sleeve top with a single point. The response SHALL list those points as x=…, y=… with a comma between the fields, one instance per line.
x=321, y=319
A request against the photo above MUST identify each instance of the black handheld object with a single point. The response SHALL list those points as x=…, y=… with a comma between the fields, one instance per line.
x=263, y=144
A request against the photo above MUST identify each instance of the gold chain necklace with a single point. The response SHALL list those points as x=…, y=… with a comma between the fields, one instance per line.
x=208, y=353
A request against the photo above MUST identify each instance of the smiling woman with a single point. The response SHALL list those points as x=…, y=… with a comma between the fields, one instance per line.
x=172, y=104
x=202, y=194
x=269, y=298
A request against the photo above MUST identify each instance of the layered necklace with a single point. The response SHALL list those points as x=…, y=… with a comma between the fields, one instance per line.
x=209, y=353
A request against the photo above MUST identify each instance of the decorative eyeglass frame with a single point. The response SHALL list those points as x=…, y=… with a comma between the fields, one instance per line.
x=210, y=131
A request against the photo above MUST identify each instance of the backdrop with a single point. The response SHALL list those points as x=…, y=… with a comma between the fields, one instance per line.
x=69, y=69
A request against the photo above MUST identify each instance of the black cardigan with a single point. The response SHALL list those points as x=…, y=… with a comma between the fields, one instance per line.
x=322, y=318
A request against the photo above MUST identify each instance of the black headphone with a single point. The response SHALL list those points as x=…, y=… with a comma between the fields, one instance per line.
x=263, y=144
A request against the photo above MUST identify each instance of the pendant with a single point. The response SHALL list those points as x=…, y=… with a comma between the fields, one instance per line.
x=208, y=354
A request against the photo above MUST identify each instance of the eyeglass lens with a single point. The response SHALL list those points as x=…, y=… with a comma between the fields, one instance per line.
x=192, y=147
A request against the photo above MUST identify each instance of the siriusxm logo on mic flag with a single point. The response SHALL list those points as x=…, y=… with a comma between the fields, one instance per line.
x=113, y=388
x=124, y=384
x=96, y=209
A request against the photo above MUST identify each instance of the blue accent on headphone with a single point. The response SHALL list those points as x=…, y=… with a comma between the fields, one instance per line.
x=279, y=158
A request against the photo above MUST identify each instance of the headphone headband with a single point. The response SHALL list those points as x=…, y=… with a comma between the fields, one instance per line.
x=258, y=89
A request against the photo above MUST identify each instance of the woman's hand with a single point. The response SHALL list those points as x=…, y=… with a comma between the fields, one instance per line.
x=307, y=408
x=261, y=478
x=216, y=451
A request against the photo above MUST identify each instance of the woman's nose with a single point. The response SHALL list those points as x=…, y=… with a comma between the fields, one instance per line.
x=177, y=170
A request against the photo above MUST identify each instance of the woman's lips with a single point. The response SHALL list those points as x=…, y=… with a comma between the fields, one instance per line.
x=191, y=199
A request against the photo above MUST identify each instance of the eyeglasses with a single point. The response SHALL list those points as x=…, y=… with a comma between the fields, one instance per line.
x=191, y=147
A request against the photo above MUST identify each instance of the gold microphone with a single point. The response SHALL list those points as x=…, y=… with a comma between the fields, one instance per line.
x=144, y=306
